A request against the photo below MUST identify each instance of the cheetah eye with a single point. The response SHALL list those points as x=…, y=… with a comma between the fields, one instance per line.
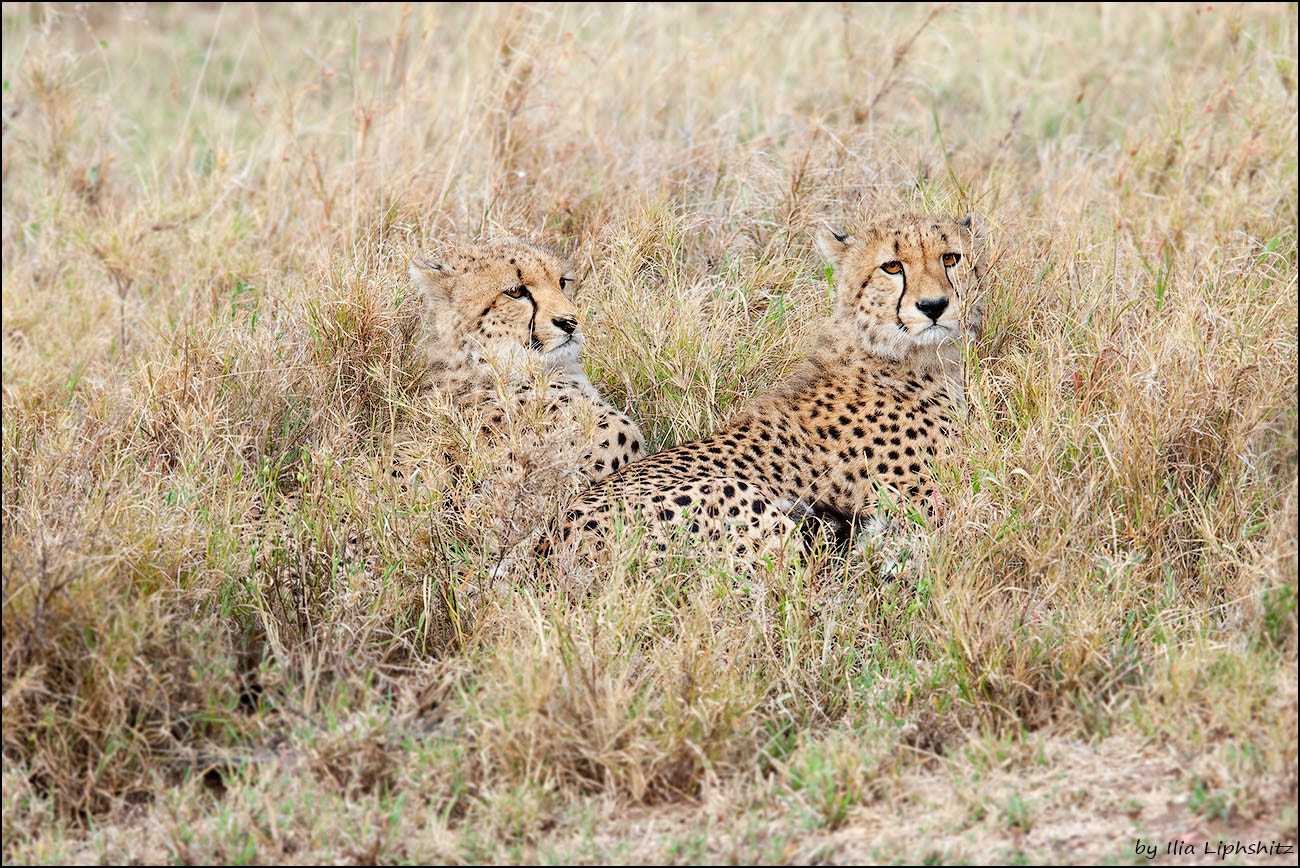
x=565, y=283
x=892, y=267
x=951, y=259
x=517, y=292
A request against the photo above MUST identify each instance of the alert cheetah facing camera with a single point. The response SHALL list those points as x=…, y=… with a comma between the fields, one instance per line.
x=859, y=419
x=503, y=337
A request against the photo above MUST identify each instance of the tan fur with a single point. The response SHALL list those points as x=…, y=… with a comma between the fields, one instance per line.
x=862, y=415
x=503, y=336
x=513, y=374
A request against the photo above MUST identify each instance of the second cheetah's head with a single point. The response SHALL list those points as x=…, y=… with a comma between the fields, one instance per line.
x=908, y=280
x=500, y=298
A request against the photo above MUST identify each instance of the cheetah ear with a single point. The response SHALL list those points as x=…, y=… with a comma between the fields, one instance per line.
x=833, y=245
x=432, y=279
x=974, y=224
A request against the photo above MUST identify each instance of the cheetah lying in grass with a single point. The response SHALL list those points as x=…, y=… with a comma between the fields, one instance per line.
x=503, y=338
x=858, y=421
x=504, y=391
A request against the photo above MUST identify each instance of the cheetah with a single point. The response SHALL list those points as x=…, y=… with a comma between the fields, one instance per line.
x=856, y=423
x=502, y=346
x=504, y=337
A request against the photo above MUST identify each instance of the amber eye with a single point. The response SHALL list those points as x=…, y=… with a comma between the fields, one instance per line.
x=892, y=267
x=518, y=292
x=951, y=259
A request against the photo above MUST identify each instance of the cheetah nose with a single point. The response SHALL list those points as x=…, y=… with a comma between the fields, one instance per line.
x=933, y=307
x=565, y=324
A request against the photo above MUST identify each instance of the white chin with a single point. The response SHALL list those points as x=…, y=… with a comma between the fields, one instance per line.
x=567, y=353
x=934, y=334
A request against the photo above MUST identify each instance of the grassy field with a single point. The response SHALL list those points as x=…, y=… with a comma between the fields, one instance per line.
x=208, y=342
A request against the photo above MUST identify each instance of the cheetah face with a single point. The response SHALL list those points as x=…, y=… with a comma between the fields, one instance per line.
x=908, y=280
x=501, y=299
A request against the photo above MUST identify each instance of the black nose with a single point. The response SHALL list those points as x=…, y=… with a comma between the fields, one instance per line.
x=933, y=307
x=567, y=324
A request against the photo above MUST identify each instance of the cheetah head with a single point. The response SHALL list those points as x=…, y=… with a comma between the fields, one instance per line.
x=502, y=300
x=908, y=280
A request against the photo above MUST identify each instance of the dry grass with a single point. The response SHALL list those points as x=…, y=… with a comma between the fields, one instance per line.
x=208, y=351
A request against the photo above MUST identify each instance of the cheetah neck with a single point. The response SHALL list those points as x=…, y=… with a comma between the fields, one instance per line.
x=847, y=423
x=838, y=362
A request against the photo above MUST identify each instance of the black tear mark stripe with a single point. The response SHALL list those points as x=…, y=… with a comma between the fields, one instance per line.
x=533, y=342
x=898, y=308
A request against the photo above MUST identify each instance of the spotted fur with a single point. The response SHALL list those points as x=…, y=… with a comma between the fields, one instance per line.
x=861, y=418
x=503, y=336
